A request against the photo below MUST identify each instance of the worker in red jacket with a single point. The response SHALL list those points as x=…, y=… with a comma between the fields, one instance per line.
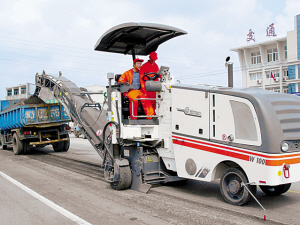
x=148, y=67
x=132, y=77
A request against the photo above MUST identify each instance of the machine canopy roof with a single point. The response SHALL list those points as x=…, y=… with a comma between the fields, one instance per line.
x=136, y=38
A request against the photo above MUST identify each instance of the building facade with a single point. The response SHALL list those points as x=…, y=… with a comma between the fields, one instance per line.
x=273, y=64
x=20, y=91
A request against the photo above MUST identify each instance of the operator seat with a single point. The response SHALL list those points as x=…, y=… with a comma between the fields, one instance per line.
x=126, y=103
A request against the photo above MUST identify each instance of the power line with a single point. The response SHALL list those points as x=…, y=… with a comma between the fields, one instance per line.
x=206, y=75
x=58, y=69
x=71, y=49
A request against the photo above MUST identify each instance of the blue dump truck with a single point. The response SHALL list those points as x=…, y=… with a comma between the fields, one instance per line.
x=33, y=123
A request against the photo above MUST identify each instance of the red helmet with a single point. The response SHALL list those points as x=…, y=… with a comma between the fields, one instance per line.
x=137, y=60
x=153, y=55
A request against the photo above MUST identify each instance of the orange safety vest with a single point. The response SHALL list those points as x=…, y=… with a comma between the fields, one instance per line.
x=126, y=76
x=133, y=94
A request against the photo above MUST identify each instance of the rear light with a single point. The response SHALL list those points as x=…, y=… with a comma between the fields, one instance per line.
x=286, y=170
x=68, y=128
x=27, y=133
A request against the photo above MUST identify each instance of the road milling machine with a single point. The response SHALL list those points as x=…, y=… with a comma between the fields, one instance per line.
x=245, y=137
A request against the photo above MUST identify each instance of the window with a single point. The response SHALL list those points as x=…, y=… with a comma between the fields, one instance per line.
x=255, y=76
x=285, y=73
x=23, y=90
x=272, y=54
x=255, y=58
x=292, y=72
x=277, y=90
x=252, y=76
x=16, y=91
x=244, y=123
x=274, y=89
x=275, y=73
x=291, y=88
x=8, y=92
x=285, y=52
x=259, y=75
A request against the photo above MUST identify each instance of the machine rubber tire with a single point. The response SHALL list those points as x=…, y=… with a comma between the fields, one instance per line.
x=26, y=147
x=275, y=190
x=231, y=188
x=58, y=146
x=125, y=178
x=18, y=146
x=66, y=144
x=2, y=146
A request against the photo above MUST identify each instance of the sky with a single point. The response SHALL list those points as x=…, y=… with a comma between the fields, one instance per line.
x=59, y=35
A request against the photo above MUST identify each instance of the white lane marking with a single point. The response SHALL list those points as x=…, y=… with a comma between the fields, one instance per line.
x=46, y=201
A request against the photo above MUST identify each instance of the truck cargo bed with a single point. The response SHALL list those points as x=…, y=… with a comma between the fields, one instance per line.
x=35, y=114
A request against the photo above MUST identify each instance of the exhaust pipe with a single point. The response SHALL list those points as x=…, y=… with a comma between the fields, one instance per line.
x=230, y=74
x=229, y=66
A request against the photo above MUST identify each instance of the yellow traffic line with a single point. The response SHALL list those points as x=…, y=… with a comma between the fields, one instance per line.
x=295, y=192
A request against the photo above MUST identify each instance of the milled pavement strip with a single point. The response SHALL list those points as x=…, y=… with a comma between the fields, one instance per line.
x=46, y=201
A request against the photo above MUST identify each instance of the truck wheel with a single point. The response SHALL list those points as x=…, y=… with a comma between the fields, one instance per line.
x=26, y=147
x=66, y=144
x=2, y=145
x=231, y=187
x=275, y=190
x=18, y=146
x=58, y=146
x=124, y=181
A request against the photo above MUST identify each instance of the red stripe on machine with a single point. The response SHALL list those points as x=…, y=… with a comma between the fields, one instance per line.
x=232, y=152
x=213, y=150
x=240, y=150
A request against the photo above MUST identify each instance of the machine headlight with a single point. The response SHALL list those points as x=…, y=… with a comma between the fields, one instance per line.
x=284, y=146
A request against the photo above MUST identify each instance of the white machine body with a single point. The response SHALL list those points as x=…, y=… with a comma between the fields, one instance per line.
x=204, y=130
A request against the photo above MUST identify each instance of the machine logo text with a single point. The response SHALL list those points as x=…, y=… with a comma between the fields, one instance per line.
x=190, y=112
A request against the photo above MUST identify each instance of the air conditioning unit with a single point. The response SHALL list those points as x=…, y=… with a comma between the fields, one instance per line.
x=277, y=79
x=259, y=81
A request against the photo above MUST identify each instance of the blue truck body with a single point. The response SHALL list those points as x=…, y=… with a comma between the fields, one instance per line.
x=29, y=125
x=30, y=115
x=5, y=104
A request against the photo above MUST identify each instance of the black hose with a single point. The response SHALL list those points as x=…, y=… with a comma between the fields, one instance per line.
x=118, y=115
x=104, y=131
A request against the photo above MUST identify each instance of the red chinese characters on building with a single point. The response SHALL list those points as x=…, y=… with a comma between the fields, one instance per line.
x=250, y=36
x=271, y=31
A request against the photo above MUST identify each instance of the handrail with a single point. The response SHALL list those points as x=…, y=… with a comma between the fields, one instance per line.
x=145, y=116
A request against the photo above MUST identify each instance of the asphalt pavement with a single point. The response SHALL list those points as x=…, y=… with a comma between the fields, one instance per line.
x=60, y=196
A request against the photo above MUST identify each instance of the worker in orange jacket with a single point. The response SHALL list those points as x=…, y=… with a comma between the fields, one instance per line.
x=132, y=77
x=148, y=67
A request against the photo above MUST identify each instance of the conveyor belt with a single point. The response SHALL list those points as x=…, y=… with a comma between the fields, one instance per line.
x=79, y=105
